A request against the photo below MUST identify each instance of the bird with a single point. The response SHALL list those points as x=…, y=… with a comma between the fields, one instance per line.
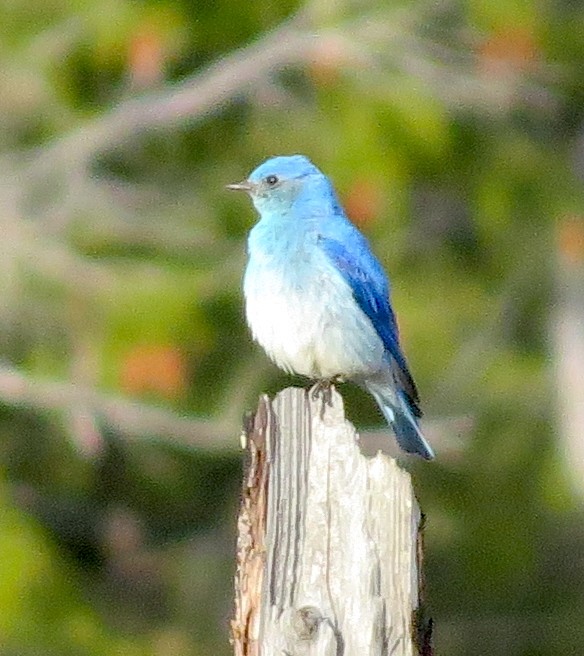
x=316, y=297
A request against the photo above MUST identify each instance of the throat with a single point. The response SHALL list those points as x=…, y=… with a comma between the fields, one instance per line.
x=282, y=247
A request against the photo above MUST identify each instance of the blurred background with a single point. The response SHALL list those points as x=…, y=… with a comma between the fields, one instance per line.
x=454, y=132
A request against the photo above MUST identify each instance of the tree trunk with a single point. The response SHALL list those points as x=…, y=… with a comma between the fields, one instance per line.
x=329, y=546
x=568, y=337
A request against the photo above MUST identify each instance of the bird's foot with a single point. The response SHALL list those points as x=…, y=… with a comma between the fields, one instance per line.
x=324, y=389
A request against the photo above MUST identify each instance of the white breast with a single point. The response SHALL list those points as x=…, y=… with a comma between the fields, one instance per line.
x=305, y=317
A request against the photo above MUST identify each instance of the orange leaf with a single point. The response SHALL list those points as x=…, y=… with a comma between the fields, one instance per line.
x=329, y=57
x=571, y=239
x=146, y=56
x=513, y=48
x=154, y=368
x=364, y=202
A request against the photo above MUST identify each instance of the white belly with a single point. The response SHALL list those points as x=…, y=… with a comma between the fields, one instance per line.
x=311, y=324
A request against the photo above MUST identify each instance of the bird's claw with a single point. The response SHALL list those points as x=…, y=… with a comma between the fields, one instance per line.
x=323, y=389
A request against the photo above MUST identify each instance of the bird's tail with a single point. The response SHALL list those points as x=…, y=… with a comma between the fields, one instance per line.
x=396, y=410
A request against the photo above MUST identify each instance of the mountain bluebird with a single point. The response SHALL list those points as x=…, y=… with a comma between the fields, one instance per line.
x=317, y=299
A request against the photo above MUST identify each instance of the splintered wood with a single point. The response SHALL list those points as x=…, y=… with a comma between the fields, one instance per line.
x=329, y=546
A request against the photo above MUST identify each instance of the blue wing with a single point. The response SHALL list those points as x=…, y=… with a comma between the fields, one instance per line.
x=367, y=279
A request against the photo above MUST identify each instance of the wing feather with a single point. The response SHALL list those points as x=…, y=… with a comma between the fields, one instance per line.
x=368, y=282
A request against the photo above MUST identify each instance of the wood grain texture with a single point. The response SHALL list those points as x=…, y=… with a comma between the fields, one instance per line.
x=337, y=536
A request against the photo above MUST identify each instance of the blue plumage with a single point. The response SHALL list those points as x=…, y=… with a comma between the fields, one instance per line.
x=317, y=299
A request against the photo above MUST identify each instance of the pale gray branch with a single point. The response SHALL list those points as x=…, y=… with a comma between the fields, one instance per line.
x=355, y=43
x=132, y=419
x=567, y=333
x=192, y=99
x=135, y=420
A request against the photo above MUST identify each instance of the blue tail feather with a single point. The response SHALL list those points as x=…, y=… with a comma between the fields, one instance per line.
x=396, y=410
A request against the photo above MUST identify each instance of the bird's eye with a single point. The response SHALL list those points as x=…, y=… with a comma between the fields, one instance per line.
x=272, y=180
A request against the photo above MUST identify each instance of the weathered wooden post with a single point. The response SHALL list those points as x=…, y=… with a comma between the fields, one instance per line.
x=329, y=546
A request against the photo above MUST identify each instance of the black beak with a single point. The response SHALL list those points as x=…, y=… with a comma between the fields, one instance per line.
x=240, y=186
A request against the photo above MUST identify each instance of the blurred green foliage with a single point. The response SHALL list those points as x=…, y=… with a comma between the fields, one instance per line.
x=452, y=133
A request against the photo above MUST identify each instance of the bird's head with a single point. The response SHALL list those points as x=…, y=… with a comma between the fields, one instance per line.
x=276, y=184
